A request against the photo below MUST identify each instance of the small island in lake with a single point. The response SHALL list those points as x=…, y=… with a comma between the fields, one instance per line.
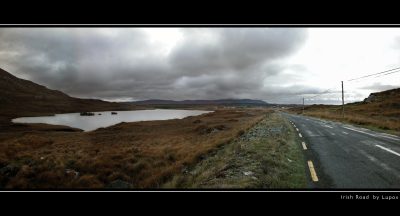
x=87, y=114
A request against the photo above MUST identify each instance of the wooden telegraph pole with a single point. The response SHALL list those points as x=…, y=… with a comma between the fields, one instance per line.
x=342, y=102
x=303, y=107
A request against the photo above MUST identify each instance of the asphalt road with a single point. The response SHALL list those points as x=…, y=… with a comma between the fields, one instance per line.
x=345, y=156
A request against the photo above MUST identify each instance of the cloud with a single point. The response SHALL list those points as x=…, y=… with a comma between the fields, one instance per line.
x=122, y=64
x=233, y=62
x=377, y=87
x=233, y=49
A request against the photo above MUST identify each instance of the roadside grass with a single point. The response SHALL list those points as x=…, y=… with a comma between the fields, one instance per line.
x=383, y=116
x=266, y=156
x=141, y=154
x=373, y=123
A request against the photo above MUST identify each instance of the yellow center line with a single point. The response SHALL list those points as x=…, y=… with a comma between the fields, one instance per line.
x=312, y=171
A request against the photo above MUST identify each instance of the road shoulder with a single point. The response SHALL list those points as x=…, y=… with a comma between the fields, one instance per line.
x=269, y=155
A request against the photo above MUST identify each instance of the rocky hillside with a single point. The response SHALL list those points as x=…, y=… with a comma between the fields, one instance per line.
x=19, y=97
x=390, y=96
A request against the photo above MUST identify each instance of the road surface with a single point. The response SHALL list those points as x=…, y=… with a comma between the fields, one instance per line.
x=346, y=156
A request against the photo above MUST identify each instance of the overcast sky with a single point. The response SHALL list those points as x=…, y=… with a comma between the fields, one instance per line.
x=278, y=65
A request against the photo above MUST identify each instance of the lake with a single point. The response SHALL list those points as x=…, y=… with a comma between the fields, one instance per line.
x=89, y=123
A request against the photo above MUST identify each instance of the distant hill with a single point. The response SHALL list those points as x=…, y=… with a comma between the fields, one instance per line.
x=201, y=102
x=19, y=97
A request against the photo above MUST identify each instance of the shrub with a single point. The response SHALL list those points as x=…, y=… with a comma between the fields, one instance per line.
x=241, y=132
x=89, y=181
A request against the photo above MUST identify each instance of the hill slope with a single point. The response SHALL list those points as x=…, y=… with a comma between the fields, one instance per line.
x=19, y=97
x=389, y=96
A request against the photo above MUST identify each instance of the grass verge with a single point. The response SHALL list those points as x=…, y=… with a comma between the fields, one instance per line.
x=373, y=123
x=266, y=156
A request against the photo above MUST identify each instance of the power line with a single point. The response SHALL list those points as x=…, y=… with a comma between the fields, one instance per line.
x=324, y=92
x=387, y=74
x=383, y=73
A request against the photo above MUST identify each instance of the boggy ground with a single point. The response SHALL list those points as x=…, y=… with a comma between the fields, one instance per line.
x=126, y=155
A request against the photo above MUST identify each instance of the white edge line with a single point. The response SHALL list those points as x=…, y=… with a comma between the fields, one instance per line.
x=304, y=145
x=387, y=149
x=370, y=134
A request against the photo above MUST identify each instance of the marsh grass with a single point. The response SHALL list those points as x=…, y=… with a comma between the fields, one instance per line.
x=143, y=154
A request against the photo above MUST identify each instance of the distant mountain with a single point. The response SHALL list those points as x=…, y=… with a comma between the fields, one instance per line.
x=201, y=102
x=19, y=97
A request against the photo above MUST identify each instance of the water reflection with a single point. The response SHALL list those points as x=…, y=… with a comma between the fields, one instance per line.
x=105, y=119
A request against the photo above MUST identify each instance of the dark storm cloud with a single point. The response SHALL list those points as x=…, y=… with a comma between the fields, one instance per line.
x=235, y=49
x=233, y=62
x=78, y=61
x=123, y=63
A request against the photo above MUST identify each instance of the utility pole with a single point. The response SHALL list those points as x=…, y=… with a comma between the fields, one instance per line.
x=342, y=102
x=303, y=107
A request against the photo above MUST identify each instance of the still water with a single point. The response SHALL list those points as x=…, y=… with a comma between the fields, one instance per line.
x=88, y=123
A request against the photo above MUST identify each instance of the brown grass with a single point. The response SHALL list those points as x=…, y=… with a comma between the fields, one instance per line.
x=258, y=150
x=384, y=115
x=143, y=154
